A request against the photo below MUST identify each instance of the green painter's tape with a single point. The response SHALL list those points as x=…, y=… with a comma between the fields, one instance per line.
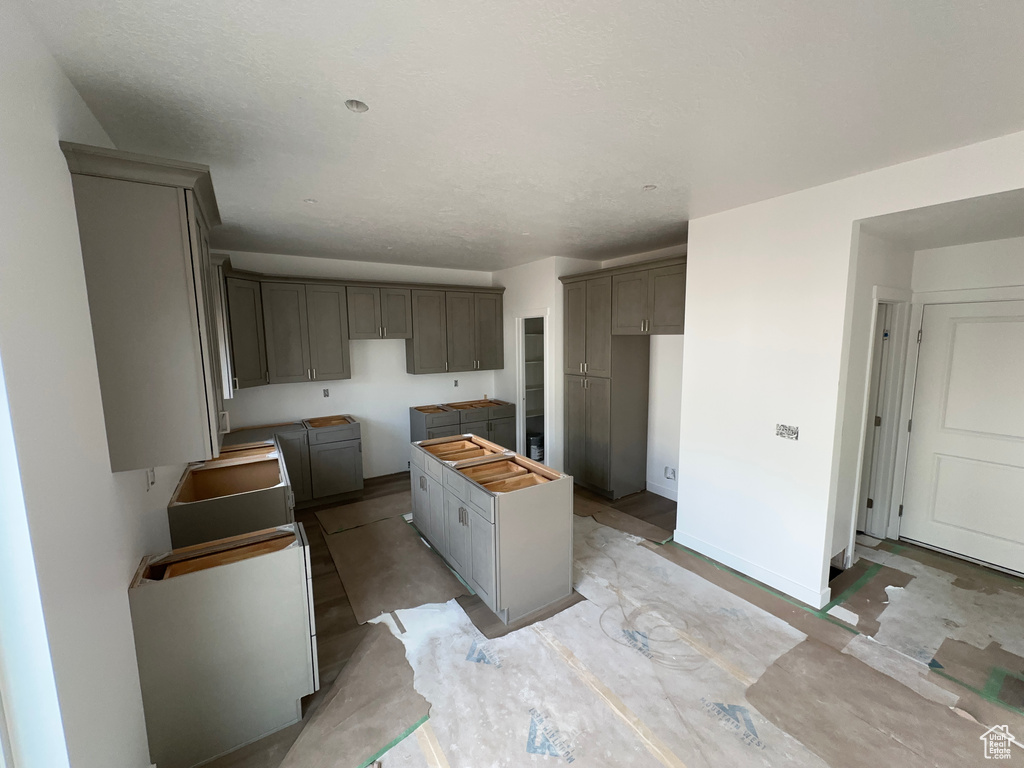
x=847, y=593
x=997, y=673
x=395, y=742
x=769, y=590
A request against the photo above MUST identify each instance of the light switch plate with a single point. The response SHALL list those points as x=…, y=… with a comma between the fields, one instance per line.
x=786, y=432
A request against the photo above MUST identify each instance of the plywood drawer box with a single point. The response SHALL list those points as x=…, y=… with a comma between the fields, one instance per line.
x=193, y=611
x=240, y=492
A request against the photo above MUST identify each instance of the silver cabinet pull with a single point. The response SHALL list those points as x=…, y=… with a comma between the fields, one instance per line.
x=314, y=373
x=235, y=381
x=385, y=334
x=586, y=367
x=268, y=377
x=581, y=367
x=309, y=374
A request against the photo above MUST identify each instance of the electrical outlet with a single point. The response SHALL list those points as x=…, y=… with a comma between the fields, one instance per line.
x=327, y=393
x=786, y=432
x=670, y=473
x=456, y=382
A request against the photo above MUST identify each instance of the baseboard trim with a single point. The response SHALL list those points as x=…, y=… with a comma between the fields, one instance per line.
x=662, y=490
x=812, y=597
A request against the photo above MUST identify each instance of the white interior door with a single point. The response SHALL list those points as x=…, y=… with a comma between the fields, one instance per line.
x=965, y=469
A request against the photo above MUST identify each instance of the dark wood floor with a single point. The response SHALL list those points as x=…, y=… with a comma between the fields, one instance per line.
x=647, y=506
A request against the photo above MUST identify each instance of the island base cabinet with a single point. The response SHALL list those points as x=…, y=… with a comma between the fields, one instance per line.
x=456, y=520
x=483, y=567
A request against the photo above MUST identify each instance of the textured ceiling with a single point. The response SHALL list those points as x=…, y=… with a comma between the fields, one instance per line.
x=502, y=131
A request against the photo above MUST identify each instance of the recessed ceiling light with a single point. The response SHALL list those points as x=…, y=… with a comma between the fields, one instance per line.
x=650, y=187
x=310, y=200
x=356, y=106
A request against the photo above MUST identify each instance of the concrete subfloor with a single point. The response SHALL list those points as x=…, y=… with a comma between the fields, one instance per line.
x=675, y=660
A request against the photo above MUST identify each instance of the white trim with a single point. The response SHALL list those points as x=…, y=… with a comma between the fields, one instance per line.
x=663, y=490
x=919, y=301
x=813, y=597
x=6, y=758
x=520, y=317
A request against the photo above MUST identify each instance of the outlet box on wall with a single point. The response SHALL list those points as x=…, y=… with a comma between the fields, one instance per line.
x=670, y=473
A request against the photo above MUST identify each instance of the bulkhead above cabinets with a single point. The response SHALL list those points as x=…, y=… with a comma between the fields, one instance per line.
x=288, y=329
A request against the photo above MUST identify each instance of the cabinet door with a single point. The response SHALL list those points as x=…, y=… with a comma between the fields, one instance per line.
x=336, y=468
x=364, y=314
x=286, y=327
x=482, y=563
x=599, y=327
x=295, y=450
x=575, y=426
x=396, y=313
x=427, y=350
x=245, y=318
x=666, y=288
x=629, y=304
x=575, y=326
x=435, y=512
x=420, y=502
x=328, y=332
x=461, y=323
x=503, y=432
x=597, y=469
x=456, y=526
x=490, y=346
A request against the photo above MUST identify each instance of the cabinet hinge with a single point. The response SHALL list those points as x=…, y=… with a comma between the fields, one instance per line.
x=878, y=421
x=871, y=503
x=901, y=510
x=919, y=336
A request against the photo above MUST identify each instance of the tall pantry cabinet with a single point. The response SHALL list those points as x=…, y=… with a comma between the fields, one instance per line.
x=609, y=316
x=143, y=224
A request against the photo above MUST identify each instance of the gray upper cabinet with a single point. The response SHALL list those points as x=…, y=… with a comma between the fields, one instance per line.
x=245, y=313
x=629, y=303
x=379, y=313
x=142, y=224
x=460, y=314
x=364, y=313
x=588, y=315
x=328, y=332
x=396, y=312
x=286, y=326
x=427, y=350
x=666, y=299
x=649, y=302
x=490, y=335
x=575, y=331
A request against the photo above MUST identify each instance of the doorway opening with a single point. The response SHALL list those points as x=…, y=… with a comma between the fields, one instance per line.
x=531, y=388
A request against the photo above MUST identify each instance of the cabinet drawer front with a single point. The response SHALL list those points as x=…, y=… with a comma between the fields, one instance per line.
x=501, y=411
x=478, y=428
x=333, y=434
x=482, y=502
x=434, y=468
x=417, y=458
x=456, y=482
x=446, y=419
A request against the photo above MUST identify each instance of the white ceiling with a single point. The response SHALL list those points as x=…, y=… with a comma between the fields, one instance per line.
x=502, y=131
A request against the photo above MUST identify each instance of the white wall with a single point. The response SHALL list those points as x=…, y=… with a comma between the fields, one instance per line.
x=88, y=529
x=663, y=414
x=380, y=391
x=977, y=265
x=768, y=340
x=888, y=264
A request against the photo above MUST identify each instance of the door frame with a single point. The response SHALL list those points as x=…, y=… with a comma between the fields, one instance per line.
x=520, y=324
x=900, y=300
x=918, y=303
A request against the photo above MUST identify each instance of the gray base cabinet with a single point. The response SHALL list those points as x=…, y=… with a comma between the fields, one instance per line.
x=335, y=455
x=292, y=439
x=226, y=643
x=494, y=420
x=242, y=491
x=506, y=526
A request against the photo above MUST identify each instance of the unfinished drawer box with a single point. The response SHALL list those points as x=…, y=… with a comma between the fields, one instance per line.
x=193, y=611
x=246, y=489
x=502, y=521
